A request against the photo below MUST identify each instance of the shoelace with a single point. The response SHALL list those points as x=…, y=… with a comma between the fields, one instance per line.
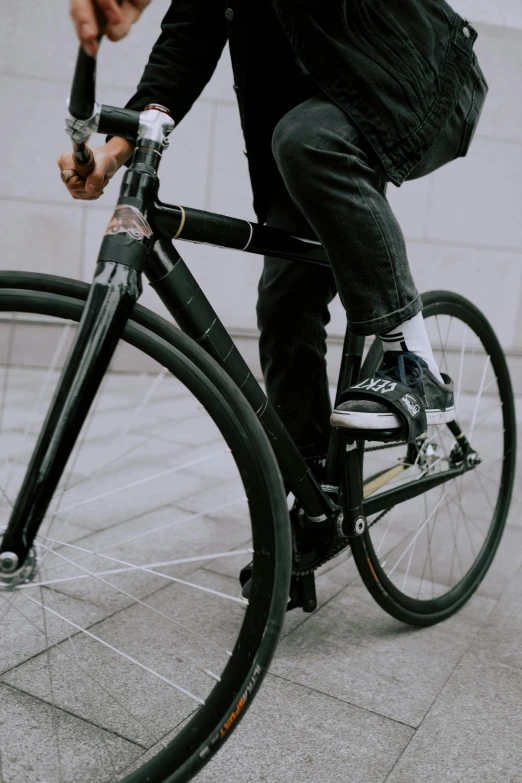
x=408, y=369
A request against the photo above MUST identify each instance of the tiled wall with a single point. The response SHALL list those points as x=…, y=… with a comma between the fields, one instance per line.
x=463, y=223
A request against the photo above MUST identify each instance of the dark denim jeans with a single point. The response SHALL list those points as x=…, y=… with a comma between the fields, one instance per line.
x=331, y=187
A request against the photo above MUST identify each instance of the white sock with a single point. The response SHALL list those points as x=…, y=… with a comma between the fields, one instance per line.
x=411, y=336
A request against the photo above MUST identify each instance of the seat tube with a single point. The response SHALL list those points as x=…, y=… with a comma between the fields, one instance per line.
x=351, y=360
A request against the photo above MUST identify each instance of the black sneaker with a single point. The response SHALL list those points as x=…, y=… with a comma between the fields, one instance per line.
x=402, y=389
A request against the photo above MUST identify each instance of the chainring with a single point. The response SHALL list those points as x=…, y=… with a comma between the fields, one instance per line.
x=311, y=551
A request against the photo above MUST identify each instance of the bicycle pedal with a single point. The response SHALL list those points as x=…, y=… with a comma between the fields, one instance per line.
x=380, y=436
x=302, y=593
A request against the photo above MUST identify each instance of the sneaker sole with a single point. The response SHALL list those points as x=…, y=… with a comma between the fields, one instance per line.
x=358, y=420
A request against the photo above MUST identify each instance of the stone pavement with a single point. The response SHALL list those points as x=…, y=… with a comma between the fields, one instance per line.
x=355, y=697
x=352, y=696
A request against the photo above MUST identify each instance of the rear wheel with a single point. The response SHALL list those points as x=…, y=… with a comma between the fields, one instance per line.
x=127, y=652
x=422, y=559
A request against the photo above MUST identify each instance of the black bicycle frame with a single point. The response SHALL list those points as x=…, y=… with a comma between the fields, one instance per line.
x=139, y=239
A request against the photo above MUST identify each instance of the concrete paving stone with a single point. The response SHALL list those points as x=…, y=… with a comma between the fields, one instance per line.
x=221, y=467
x=134, y=387
x=417, y=551
x=154, y=538
x=107, y=454
x=220, y=531
x=472, y=732
x=69, y=533
x=123, y=495
x=500, y=638
x=129, y=359
x=192, y=632
x=329, y=582
x=293, y=733
x=106, y=424
x=330, y=579
x=354, y=651
x=195, y=430
x=212, y=501
x=29, y=751
x=94, y=684
x=23, y=628
x=217, y=619
x=506, y=562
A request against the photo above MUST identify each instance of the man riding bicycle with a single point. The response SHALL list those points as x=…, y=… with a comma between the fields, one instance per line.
x=336, y=100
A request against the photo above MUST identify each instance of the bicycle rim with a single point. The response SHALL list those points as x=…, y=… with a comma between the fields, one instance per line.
x=130, y=653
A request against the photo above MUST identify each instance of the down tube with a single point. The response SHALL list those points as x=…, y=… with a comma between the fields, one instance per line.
x=186, y=302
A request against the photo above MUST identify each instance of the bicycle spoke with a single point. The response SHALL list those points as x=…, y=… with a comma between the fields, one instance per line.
x=461, y=368
x=88, y=695
x=59, y=647
x=417, y=534
x=113, y=571
x=147, y=571
x=116, y=650
x=479, y=395
x=163, y=528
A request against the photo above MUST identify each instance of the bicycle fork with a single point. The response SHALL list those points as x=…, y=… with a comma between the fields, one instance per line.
x=116, y=288
x=114, y=291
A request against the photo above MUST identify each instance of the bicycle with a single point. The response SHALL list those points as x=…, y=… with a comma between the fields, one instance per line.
x=97, y=569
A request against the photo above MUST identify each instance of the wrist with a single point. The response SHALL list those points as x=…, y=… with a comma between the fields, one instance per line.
x=120, y=149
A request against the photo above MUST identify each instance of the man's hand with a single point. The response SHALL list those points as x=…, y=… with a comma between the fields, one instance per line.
x=113, y=18
x=108, y=159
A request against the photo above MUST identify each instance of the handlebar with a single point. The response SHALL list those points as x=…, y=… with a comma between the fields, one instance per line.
x=82, y=99
x=86, y=116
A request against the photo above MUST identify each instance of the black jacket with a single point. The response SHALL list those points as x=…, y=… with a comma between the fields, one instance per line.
x=396, y=67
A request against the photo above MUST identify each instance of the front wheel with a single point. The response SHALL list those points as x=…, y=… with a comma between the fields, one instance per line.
x=423, y=559
x=127, y=652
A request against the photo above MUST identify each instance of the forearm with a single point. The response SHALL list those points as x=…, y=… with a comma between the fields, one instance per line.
x=184, y=57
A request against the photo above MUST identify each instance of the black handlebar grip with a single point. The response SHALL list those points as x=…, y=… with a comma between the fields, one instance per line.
x=84, y=162
x=81, y=101
x=119, y=122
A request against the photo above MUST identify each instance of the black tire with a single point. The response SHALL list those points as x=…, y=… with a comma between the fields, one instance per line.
x=211, y=724
x=450, y=593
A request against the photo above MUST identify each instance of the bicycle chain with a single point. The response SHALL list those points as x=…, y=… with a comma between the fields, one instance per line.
x=343, y=543
x=386, y=446
x=323, y=554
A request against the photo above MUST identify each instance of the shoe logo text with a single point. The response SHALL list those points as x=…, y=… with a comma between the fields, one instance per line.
x=377, y=385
